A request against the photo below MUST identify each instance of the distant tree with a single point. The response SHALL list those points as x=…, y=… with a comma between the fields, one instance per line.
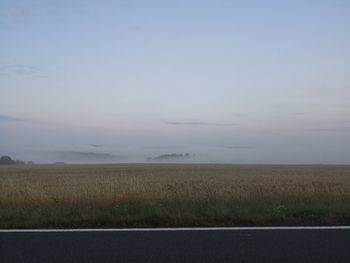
x=169, y=156
x=6, y=160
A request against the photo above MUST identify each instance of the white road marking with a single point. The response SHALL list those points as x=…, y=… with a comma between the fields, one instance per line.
x=176, y=229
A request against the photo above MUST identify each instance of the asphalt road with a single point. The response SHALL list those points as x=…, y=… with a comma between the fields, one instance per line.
x=311, y=245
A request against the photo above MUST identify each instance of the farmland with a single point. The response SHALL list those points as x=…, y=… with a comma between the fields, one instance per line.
x=148, y=195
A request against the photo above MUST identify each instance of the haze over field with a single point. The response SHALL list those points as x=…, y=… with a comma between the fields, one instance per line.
x=225, y=81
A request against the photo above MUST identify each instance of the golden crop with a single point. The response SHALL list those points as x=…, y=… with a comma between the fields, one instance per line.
x=116, y=183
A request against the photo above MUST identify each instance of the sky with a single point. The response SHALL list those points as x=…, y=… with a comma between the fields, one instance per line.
x=226, y=81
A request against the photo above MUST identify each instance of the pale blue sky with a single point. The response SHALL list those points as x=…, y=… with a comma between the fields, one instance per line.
x=229, y=81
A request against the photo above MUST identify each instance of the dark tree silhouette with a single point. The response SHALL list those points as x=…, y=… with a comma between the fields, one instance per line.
x=6, y=160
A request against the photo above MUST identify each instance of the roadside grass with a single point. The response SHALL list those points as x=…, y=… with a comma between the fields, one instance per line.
x=177, y=214
x=136, y=195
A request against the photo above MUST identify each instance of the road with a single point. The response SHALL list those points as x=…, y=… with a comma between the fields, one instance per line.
x=230, y=245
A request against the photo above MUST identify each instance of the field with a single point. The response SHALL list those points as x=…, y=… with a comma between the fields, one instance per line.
x=149, y=195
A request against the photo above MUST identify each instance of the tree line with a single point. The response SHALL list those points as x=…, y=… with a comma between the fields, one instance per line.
x=5, y=159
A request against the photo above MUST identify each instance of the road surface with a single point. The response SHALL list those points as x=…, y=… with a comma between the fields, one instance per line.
x=202, y=245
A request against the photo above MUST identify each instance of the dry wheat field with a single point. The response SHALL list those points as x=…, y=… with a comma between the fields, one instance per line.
x=180, y=192
x=112, y=184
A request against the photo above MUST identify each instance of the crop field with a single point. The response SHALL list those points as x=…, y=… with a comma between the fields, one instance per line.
x=149, y=195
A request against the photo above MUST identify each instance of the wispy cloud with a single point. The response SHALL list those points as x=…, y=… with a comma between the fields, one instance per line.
x=95, y=145
x=230, y=146
x=9, y=118
x=239, y=147
x=335, y=129
x=19, y=69
x=14, y=15
x=77, y=156
x=18, y=13
x=187, y=123
x=196, y=123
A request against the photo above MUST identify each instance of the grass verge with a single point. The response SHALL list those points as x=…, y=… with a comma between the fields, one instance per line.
x=177, y=213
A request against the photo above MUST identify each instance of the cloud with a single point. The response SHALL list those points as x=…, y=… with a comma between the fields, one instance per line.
x=95, y=145
x=187, y=123
x=228, y=146
x=18, y=69
x=335, y=129
x=73, y=156
x=14, y=15
x=239, y=147
x=196, y=123
x=9, y=118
